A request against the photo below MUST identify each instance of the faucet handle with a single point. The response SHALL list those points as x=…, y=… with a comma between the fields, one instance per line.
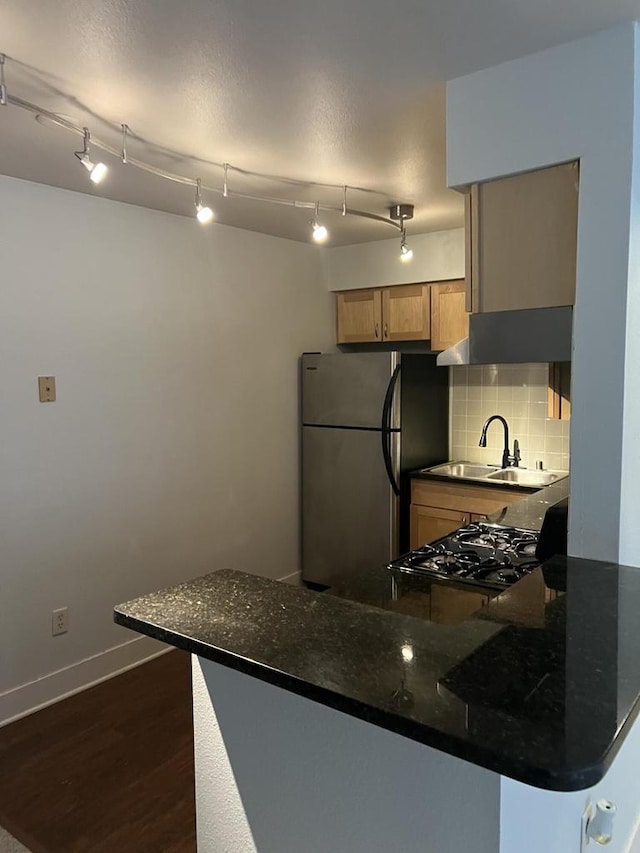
x=516, y=453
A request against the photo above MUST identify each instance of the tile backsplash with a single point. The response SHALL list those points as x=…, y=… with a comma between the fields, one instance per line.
x=518, y=392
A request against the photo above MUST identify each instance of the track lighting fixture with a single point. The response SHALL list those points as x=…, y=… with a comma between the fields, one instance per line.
x=97, y=171
x=204, y=214
x=318, y=231
x=402, y=212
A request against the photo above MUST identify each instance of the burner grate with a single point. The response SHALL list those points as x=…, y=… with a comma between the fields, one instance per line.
x=479, y=553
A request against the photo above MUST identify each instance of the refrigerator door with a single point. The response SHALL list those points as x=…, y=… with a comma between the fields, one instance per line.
x=348, y=389
x=349, y=510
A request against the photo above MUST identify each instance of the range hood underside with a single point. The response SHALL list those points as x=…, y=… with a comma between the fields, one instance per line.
x=514, y=337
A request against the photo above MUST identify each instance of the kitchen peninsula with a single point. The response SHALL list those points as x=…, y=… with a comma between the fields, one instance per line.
x=330, y=724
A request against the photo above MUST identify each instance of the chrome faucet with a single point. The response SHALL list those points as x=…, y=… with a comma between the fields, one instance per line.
x=508, y=460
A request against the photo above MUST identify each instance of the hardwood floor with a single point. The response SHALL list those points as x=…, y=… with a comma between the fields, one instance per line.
x=110, y=769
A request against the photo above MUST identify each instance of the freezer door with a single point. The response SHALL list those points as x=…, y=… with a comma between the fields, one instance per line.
x=347, y=389
x=349, y=512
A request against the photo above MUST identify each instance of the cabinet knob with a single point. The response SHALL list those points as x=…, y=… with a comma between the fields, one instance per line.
x=377, y=331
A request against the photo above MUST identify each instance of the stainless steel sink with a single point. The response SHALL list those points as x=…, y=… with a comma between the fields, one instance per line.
x=524, y=477
x=465, y=470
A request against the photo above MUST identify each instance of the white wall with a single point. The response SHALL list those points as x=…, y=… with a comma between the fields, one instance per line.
x=537, y=821
x=630, y=494
x=172, y=449
x=572, y=101
x=437, y=256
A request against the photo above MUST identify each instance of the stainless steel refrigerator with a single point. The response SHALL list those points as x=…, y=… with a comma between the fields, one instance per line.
x=367, y=420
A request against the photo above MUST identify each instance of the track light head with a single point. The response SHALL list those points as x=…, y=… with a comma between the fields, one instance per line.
x=97, y=171
x=405, y=252
x=204, y=214
x=319, y=232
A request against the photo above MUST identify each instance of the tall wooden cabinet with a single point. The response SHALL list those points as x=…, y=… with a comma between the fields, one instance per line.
x=522, y=240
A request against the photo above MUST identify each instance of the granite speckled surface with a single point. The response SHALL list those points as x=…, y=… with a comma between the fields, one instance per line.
x=540, y=683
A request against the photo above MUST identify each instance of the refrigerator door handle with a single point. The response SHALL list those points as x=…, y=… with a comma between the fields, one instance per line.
x=385, y=429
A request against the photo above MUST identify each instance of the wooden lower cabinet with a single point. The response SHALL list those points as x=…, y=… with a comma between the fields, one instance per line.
x=429, y=523
x=451, y=606
x=439, y=507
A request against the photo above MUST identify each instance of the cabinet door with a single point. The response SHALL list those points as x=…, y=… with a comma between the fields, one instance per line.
x=430, y=523
x=359, y=316
x=451, y=606
x=559, y=398
x=406, y=314
x=463, y=497
x=524, y=240
x=449, y=320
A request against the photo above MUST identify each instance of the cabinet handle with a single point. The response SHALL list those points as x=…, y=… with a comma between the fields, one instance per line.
x=386, y=331
x=377, y=331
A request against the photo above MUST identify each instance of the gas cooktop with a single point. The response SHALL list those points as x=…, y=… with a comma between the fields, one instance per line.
x=480, y=554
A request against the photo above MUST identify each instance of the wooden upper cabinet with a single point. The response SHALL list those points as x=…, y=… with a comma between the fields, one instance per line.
x=359, y=316
x=449, y=320
x=522, y=240
x=406, y=314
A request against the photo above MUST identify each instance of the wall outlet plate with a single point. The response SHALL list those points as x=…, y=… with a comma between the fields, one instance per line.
x=59, y=621
x=47, y=389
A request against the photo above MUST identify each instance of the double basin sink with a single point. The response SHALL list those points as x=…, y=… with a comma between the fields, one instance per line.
x=492, y=473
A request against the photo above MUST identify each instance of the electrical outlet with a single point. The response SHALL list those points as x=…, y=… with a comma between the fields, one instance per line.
x=60, y=621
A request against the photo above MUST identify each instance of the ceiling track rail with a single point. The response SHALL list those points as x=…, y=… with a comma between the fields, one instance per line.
x=125, y=157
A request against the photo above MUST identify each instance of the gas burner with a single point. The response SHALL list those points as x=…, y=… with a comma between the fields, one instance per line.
x=498, y=574
x=479, y=554
x=525, y=547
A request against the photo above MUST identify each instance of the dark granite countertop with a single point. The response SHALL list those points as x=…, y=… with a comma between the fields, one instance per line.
x=540, y=683
x=529, y=512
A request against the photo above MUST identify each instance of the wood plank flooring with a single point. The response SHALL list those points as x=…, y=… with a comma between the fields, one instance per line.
x=110, y=769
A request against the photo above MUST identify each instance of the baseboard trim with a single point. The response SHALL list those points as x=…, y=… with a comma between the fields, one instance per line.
x=35, y=695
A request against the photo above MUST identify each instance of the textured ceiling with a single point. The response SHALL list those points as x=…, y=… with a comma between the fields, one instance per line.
x=334, y=92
